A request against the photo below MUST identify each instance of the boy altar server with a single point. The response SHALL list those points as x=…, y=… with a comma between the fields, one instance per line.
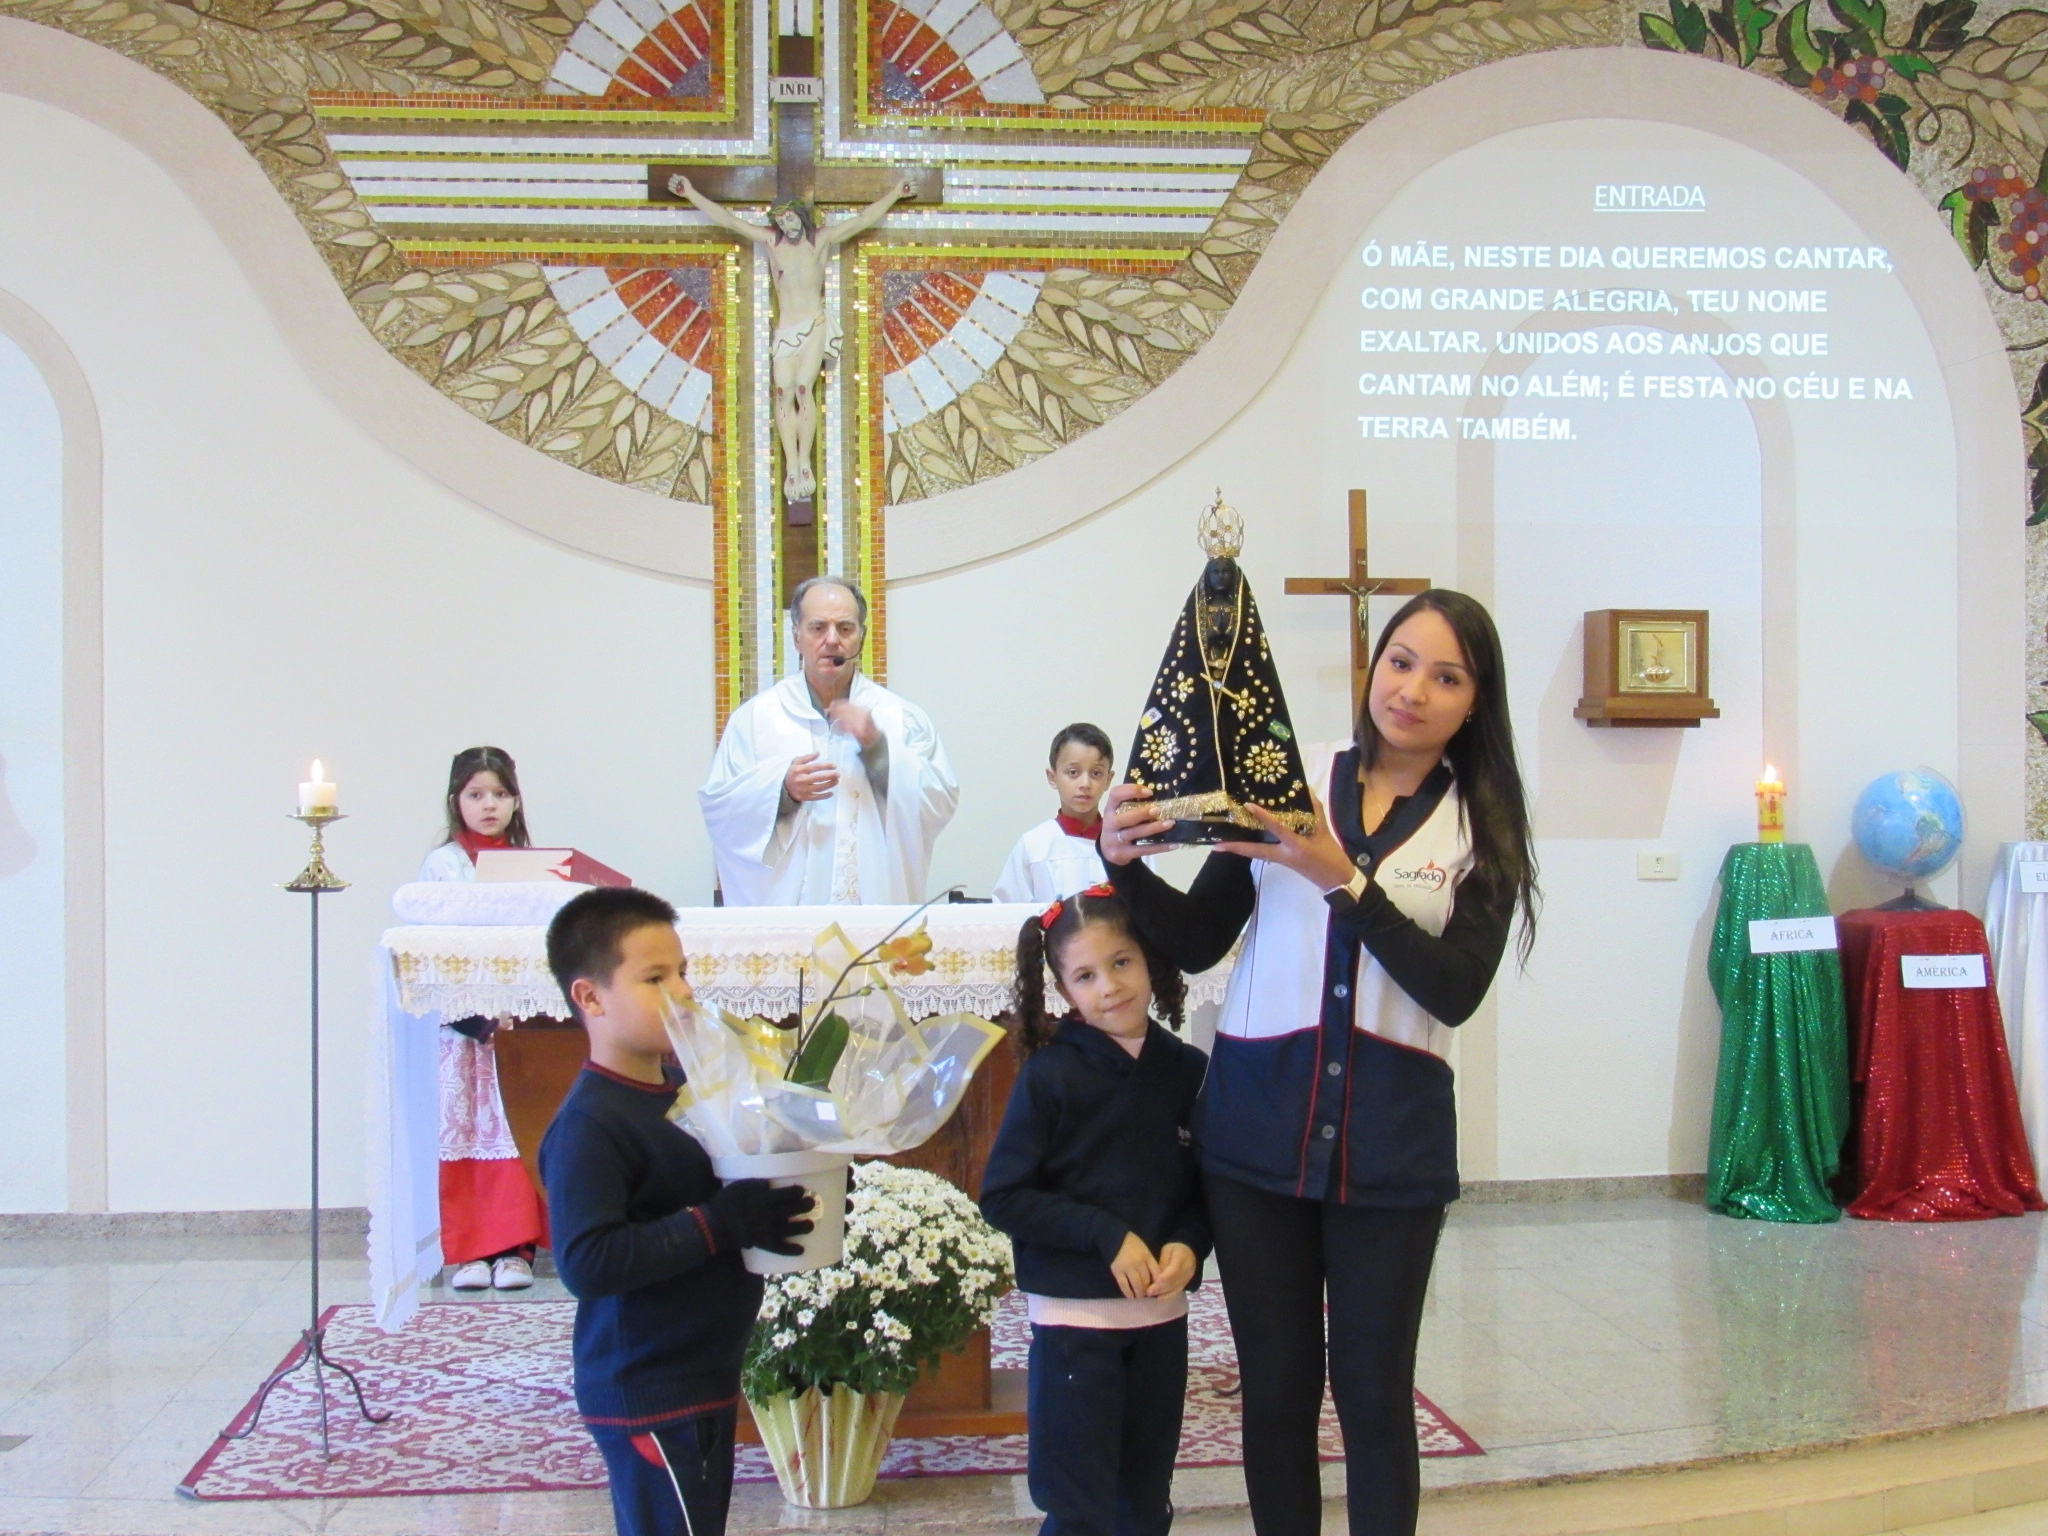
x=827, y=788
x=1057, y=858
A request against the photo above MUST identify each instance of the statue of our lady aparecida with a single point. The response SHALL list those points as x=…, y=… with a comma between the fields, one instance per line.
x=1215, y=735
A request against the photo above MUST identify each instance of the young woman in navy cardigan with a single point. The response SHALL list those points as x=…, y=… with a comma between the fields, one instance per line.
x=1326, y=1127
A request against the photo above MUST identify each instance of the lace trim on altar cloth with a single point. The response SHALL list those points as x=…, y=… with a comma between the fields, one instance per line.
x=749, y=969
x=544, y=999
x=541, y=1000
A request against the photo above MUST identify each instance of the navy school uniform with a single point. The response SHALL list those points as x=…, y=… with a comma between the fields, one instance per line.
x=663, y=1303
x=1330, y=1081
x=1328, y=1126
x=1097, y=1144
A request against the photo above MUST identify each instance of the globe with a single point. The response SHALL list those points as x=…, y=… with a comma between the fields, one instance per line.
x=1910, y=825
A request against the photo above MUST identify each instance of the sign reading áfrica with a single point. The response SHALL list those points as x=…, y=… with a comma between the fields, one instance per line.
x=1789, y=935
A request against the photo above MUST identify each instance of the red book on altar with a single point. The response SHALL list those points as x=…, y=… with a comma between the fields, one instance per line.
x=545, y=864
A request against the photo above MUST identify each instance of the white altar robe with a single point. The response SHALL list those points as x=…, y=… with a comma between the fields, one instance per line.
x=1047, y=864
x=854, y=846
x=450, y=861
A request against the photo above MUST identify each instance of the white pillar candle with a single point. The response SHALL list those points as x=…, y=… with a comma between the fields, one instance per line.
x=317, y=794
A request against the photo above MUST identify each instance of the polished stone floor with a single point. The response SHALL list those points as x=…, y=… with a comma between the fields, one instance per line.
x=1570, y=1337
x=1588, y=1336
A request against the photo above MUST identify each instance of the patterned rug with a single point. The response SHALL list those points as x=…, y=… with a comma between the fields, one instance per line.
x=480, y=1403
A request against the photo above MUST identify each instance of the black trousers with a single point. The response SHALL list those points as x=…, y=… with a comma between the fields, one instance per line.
x=1279, y=1255
x=671, y=1482
x=1105, y=1412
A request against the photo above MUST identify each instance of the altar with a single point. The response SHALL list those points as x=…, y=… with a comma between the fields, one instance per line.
x=472, y=960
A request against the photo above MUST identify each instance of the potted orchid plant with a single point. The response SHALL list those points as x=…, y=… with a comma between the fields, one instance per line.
x=857, y=1077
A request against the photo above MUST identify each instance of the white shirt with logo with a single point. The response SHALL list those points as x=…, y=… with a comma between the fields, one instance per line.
x=1276, y=988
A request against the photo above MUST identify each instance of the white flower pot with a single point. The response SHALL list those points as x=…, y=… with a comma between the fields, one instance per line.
x=827, y=1447
x=824, y=1175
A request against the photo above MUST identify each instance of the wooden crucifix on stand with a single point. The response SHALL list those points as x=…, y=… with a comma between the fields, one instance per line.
x=797, y=185
x=1358, y=586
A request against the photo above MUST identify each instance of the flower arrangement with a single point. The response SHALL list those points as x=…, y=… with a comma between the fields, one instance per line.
x=857, y=1077
x=922, y=1272
x=822, y=1038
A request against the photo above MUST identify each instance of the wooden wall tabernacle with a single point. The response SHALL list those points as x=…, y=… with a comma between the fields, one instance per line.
x=1646, y=667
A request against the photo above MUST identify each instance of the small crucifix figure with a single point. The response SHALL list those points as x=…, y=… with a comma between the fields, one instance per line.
x=805, y=340
x=800, y=247
x=1358, y=586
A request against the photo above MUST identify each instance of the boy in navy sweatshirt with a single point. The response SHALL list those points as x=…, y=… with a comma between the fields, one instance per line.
x=645, y=1236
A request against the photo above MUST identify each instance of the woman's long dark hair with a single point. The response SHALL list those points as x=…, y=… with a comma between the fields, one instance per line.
x=1040, y=946
x=467, y=765
x=1481, y=754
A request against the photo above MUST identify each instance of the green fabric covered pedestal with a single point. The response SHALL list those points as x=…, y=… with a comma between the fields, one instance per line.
x=1781, y=1098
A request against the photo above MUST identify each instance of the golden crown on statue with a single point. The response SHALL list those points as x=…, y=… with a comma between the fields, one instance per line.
x=1221, y=529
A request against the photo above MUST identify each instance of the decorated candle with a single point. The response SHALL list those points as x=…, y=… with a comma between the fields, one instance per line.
x=316, y=796
x=1770, y=807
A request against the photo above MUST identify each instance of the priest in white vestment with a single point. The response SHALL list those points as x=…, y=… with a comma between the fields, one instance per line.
x=827, y=788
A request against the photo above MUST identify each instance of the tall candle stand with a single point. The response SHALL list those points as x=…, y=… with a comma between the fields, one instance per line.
x=316, y=879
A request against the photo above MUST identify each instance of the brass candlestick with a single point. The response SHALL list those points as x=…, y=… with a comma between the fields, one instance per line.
x=315, y=880
x=316, y=876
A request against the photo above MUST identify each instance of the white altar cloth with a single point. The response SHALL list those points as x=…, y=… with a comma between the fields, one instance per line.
x=741, y=958
x=2017, y=923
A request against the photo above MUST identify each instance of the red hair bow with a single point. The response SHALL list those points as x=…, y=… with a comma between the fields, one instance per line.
x=1052, y=913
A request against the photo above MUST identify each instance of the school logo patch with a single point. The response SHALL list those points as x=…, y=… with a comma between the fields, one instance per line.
x=1430, y=877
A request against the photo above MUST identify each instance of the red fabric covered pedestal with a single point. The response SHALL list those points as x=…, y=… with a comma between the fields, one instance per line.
x=1934, y=1131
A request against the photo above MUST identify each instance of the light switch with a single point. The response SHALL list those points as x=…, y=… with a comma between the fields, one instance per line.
x=1656, y=866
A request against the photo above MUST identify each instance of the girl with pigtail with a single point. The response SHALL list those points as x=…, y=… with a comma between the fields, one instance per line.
x=1093, y=1176
x=1169, y=989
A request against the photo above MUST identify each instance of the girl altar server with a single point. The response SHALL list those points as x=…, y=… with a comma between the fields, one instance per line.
x=1329, y=1140
x=1093, y=1177
x=491, y=1217
x=1057, y=857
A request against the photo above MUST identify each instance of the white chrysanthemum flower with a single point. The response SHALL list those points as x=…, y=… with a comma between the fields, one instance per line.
x=921, y=1271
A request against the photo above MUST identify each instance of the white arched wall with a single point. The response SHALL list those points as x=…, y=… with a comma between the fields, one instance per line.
x=1851, y=575
x=1070, y=641
x=304, y=555
x=214, y=170
x=31, y=788
x=279, y=583
x=52, y=1021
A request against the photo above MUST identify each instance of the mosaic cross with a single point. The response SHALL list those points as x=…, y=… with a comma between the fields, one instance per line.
x=1010, y=190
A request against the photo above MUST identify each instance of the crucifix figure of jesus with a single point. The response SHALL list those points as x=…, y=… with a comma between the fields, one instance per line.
x=1359, y=585
x=799, y=251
